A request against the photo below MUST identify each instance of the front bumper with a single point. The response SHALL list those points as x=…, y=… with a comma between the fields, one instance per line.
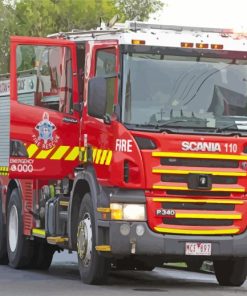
x=151, y=243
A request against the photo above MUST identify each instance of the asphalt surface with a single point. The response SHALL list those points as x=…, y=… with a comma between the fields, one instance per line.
x=63, y=279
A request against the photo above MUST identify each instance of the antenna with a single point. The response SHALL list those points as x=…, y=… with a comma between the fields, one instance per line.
x=113, y=21
x=102, y=24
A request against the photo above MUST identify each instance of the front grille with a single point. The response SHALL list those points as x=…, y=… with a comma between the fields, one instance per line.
x=188, y=162
x=198, y=206
x=186, y=206
x=197, y=193
x=184, y=179
x=198, y=222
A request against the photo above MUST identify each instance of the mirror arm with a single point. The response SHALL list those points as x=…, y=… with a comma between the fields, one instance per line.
x=78, y=107
x=107, y=119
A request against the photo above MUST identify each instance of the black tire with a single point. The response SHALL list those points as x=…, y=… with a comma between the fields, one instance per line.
x=19, y=252
x=42, y=255
x=3, y=242
x=194, y=264
x=231, y=272
x=92, y=266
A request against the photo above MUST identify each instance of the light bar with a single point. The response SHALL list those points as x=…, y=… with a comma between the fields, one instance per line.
x=138, y=42
x=201, y=45
x=187, y=44
x=217, y=46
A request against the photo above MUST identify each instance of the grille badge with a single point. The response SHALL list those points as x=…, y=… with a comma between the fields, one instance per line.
x=168, y=213
x=199, y=181
x=244, y=165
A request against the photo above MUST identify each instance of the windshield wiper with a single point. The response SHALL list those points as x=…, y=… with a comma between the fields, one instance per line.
x=220, y=129
x=137, y=126
x=141, y=126
x=163, y=124
x=182, y=120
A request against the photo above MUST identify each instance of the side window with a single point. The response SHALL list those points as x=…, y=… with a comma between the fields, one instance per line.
x=80, y=52
x=44, y=77
x=106, y=67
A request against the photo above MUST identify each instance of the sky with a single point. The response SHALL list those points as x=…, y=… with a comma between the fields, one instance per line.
x=209, y=13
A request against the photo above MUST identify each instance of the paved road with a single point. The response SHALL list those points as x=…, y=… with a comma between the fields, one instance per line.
x=63, y=279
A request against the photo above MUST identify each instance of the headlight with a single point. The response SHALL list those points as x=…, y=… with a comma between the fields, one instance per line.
x=133, y=212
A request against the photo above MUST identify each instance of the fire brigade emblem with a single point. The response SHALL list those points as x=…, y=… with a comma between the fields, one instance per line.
x=46, y=138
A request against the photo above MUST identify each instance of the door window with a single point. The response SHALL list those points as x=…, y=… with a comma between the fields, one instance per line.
x=44, y=77
x=106, y=67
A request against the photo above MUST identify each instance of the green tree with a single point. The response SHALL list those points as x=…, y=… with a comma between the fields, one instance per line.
x=39, y=18
x=43, y=17
x=138, y=9
x=6, y=27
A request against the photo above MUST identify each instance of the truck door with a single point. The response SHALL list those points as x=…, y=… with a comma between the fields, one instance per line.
x=44, y=127
x=102, y=61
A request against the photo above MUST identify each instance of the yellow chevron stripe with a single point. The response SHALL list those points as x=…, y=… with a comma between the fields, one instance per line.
x=109, y=158
x=199, y=155
x=184, y=172
x=95, y=150
x=44, y=154
x=199, y=231
x=31, y=150
x=74, y=153
x=190, y=200
x=103, y=157
x=59, y=153
x=98, y=156
x=186, y=188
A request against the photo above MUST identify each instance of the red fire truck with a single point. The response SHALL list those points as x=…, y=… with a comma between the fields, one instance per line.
x=128, y=145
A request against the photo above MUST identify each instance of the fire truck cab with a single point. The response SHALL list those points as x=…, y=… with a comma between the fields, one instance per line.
x=127, y=145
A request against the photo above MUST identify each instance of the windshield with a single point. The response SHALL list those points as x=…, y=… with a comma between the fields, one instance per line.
x=184, y=91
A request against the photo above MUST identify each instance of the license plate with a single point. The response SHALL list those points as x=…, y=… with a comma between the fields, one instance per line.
x=198, y=249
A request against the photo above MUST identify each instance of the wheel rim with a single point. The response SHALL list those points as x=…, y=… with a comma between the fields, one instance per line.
x=84, y=240
x=13, y=228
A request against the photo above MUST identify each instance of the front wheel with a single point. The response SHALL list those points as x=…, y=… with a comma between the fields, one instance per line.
x=92, y=266
x=231, y=272
x=42, y=255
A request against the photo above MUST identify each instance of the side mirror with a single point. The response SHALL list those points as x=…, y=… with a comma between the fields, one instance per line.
x=97, y=97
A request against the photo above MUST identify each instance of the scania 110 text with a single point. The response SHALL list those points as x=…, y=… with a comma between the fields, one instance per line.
x=128, y=145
